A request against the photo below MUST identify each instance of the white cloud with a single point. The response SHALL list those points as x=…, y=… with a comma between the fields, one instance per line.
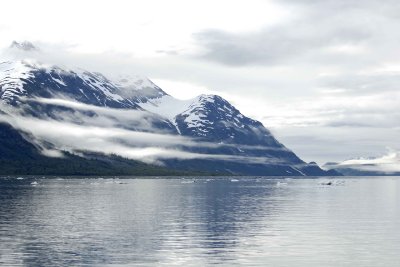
x=141, y=27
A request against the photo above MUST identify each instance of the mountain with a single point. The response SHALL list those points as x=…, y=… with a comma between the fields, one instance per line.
x=204, y=134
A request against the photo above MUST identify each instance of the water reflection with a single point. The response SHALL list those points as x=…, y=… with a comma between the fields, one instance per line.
x=168, y=222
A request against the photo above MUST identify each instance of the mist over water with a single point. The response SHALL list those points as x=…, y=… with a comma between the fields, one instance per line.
x=200, y=222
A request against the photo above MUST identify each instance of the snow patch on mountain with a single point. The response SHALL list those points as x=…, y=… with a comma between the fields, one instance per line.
x=12, y=79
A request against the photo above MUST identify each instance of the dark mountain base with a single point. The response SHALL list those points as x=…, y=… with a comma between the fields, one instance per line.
x=20, y=157
x=74, y=165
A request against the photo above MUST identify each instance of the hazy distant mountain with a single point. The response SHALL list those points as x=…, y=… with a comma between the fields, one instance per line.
x=218, y=138
x=26, y=46
x=387, y=165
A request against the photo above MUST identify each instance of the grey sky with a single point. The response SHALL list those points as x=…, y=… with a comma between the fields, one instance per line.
x=322, y=75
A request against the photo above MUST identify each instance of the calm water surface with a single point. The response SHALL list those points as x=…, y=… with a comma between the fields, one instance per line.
x=178, y=222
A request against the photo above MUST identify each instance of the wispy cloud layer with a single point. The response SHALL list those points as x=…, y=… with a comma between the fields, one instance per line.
x=104, y=133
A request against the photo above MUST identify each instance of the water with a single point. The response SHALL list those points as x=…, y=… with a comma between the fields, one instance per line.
x=167, y=222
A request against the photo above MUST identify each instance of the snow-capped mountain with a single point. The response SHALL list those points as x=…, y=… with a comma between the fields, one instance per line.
x=221, y=139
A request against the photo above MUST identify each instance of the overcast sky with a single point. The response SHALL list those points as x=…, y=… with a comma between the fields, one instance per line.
x=323, y=76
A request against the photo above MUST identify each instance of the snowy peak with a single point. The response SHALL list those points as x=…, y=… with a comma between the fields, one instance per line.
x=203, y=112
x=213, y=118
x=24, y=46
x=205, y=106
